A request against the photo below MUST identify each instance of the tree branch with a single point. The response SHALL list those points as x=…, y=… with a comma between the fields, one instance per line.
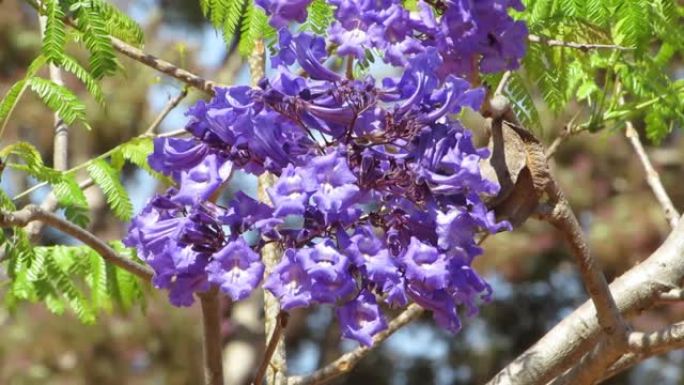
x=273, y=342
x=349, y=360
x=634, y=291
x=30, y=213
x=646, y=345
x=652, y=176
x=270, y=254
x=170, y=105
x=211, y=322
x=563, y=218
x=164, y=67
x=152, y=61
x=580, y=46
x=674, y=295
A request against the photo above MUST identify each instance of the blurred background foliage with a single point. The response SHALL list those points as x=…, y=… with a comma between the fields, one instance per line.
x=534, y=279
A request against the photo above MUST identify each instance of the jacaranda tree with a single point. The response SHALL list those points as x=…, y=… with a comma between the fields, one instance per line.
x=373, y=197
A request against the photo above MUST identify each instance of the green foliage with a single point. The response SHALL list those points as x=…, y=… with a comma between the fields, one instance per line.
x=118, y=23
x=73, y=277
x=254, y=27
x=522, y=102
x=11, y=98
x=69, y=195
x=96, y=38
x=320, y=17
x=72, y=199
x=33, y=163
x=54, y=36
x=108, y=179
x=650, y=34
x=70, y=64
x=59, y=99
x=238, y=16
x=136, y=151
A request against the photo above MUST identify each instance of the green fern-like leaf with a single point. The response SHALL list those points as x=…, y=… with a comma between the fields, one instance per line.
x=33, y=163
x=96, y=38
x=136, y=151
x=254, y=27
x=597, y=12
x=71, y=197
x=231, y=22
x=70, y=64
x=118, y=23
x=64, y=285
x=54, y=36
x=522, y=103
x=11, y=98
x=108, y=179
x=320, y=16
x=59, y=99
x=631, y=27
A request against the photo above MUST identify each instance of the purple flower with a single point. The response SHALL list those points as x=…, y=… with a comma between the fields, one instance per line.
x=425, y=265
x=361, y=319
x=201, y=181
x=172, y=155
x=336, y=192
x=290, y=194
x=456, y=228
x=329, y=271
x=441, y=304
x=245, y=213
x=309, y=51
x=236, y=268
x=180, y=270
x=281, y=12
x=289, y=282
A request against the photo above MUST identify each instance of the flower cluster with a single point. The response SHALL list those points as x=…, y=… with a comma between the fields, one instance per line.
x=378, y=193
x=470, y=35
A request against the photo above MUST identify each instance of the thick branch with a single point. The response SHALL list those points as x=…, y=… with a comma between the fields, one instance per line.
x=635, y=291
x=211, y=322
x=349, y=360
x=30, y=213
x=652, y=176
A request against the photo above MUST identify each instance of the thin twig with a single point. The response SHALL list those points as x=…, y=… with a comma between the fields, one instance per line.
x=36, y=186
x=349, y=360
x=30, y=213
x=580, y=46
x=570, y=129
x=170, y=105
x=502, y=83
x=271, y=347
x=213, y=346
x=652, y=176
x=165, y=67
